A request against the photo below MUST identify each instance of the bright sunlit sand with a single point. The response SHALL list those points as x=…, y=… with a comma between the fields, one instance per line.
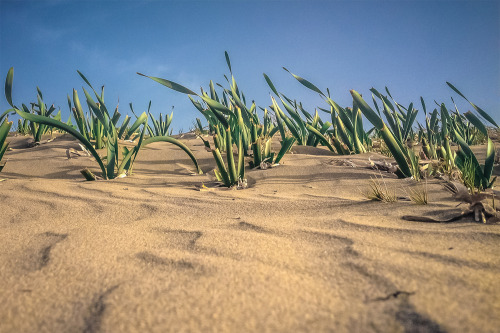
x=301, y=249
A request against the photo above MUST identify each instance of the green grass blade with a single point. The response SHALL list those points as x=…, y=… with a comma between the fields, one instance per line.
x=478, y=109
x=171, y=85
x=222, y=167
x=241, y=158
x=320, y=136
x=4, y=132
x=85, y=79
x=124, y=126
x=396, y=151
x=476, y=122
x=228, y=62
x=140, y=120
x=8, y=86
x=412, y=114
x=285, y=147
x=306, y=83
x=112, y=156
x=468, y=154
x=6, y=113
x=178, y=144
x=230, y=157
x=423, y=105
x=270, y=84
x=68, y=129
x=488, y=164
x=371, y=115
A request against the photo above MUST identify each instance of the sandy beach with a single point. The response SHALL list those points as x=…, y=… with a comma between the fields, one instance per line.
x=300, y=250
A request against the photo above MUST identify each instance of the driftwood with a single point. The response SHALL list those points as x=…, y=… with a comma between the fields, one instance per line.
x=382, y=166
x=73, y=153
x=478, y=206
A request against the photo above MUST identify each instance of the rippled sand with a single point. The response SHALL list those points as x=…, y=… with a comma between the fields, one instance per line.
x=300, y=250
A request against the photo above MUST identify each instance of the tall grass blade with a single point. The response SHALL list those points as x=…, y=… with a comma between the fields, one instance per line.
x=306, y=83
x=478, y=109
x=68, y=129
x=271, y=85
x=8, y=86
x=228, y=62
x=178, y=144
x=171, y=85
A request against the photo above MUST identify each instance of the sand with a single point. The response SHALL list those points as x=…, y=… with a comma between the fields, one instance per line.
x=300, y=250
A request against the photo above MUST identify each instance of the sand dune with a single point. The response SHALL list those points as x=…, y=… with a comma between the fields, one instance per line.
x=301, y=249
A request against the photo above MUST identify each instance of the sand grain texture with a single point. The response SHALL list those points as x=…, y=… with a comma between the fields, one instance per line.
x=300, y=250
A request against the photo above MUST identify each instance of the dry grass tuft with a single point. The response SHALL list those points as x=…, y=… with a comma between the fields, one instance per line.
x=379, y=191
x=419, y=194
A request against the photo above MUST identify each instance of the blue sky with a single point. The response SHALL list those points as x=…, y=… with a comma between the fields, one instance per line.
x=413, y=47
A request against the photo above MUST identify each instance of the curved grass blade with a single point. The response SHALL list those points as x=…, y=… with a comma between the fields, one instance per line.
x=85, y=79
x=285, y=147
x=6, y=113
x=394, y=146
x=140, y=120
x=476, y=122
x=123, y=127
x=306, y=83
x=367, y=110
x=111, y=157
x=478, y=109
x=423, y=105
x=178, y=144
x=69, y=130
x=320, y=136
x=216, y=105
x=221, y=166
x=230, y=157
x=8, y=86
x=271, y=85
x=488, y=164
x=4, y=132
x=228, y=62
x=241, y=158
x=171, y=85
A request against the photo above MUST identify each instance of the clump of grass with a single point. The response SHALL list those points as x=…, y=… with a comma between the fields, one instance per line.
x=419, y=194
x=4, y=132
x=468, y=176
x=379, y=191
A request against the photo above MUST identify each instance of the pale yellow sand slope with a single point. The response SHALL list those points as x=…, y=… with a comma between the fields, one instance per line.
x=300, y=250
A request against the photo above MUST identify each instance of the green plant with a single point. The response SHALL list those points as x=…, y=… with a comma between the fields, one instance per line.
x=468, y=175
x=26, y=127
x=399, y=118
x=234, y=173
x=305, y=133
x=4, y=132
x=111, y=166
x=161, y=127
x=263, y=156
x=405, y=157
x=228, y=115
x=347, y=125
x=198, y=127
x=23, y=127
x=475, y=177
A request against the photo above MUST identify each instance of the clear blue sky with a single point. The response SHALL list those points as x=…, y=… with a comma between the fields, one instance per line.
x=413, y=47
